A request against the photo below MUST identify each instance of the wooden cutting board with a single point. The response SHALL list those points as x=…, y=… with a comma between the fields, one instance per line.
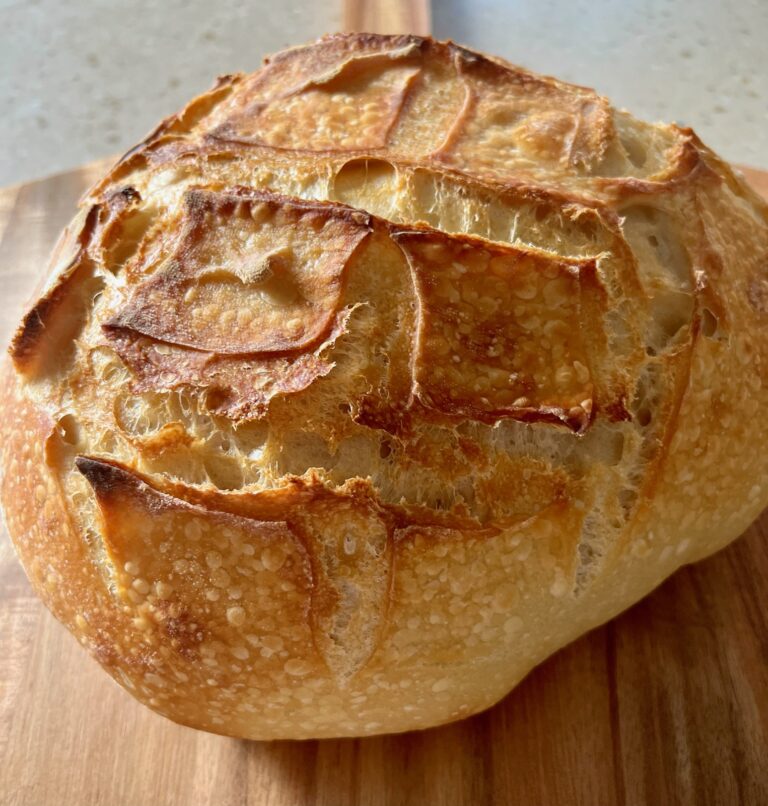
x=666, y=704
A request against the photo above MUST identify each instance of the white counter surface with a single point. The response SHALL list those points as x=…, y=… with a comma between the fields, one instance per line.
x=86, y=78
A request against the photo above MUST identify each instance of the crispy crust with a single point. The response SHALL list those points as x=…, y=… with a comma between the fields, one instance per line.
x=367, y=381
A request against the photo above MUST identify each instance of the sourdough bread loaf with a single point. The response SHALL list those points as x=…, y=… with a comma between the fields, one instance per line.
x=370, y=379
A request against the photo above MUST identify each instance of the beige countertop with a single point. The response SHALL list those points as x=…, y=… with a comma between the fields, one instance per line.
x=86, y=78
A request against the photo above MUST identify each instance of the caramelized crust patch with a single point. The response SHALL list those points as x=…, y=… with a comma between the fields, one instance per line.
x=239, y=387
x=249, y=273
x=351, y=103
x=500, y=331
x=246, y=304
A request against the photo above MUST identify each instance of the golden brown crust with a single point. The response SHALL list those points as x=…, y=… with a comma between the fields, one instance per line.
x=483, y=309
x=367, y=381
x=246, y=252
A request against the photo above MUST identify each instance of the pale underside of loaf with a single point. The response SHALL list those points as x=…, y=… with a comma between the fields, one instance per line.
x=372, y=378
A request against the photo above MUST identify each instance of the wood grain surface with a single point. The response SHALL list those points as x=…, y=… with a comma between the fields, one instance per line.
x=388, y=17
x=667, y=704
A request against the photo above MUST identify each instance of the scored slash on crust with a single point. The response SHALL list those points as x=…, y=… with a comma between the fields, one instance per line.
x=215, y=559
x=499, y=327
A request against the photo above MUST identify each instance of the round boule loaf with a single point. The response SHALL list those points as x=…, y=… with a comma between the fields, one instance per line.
x=369, y=380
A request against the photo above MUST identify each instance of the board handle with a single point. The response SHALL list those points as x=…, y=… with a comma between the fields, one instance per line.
x=388, y=16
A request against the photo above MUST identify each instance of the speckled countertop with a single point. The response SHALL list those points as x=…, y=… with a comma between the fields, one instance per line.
x=87, y=78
